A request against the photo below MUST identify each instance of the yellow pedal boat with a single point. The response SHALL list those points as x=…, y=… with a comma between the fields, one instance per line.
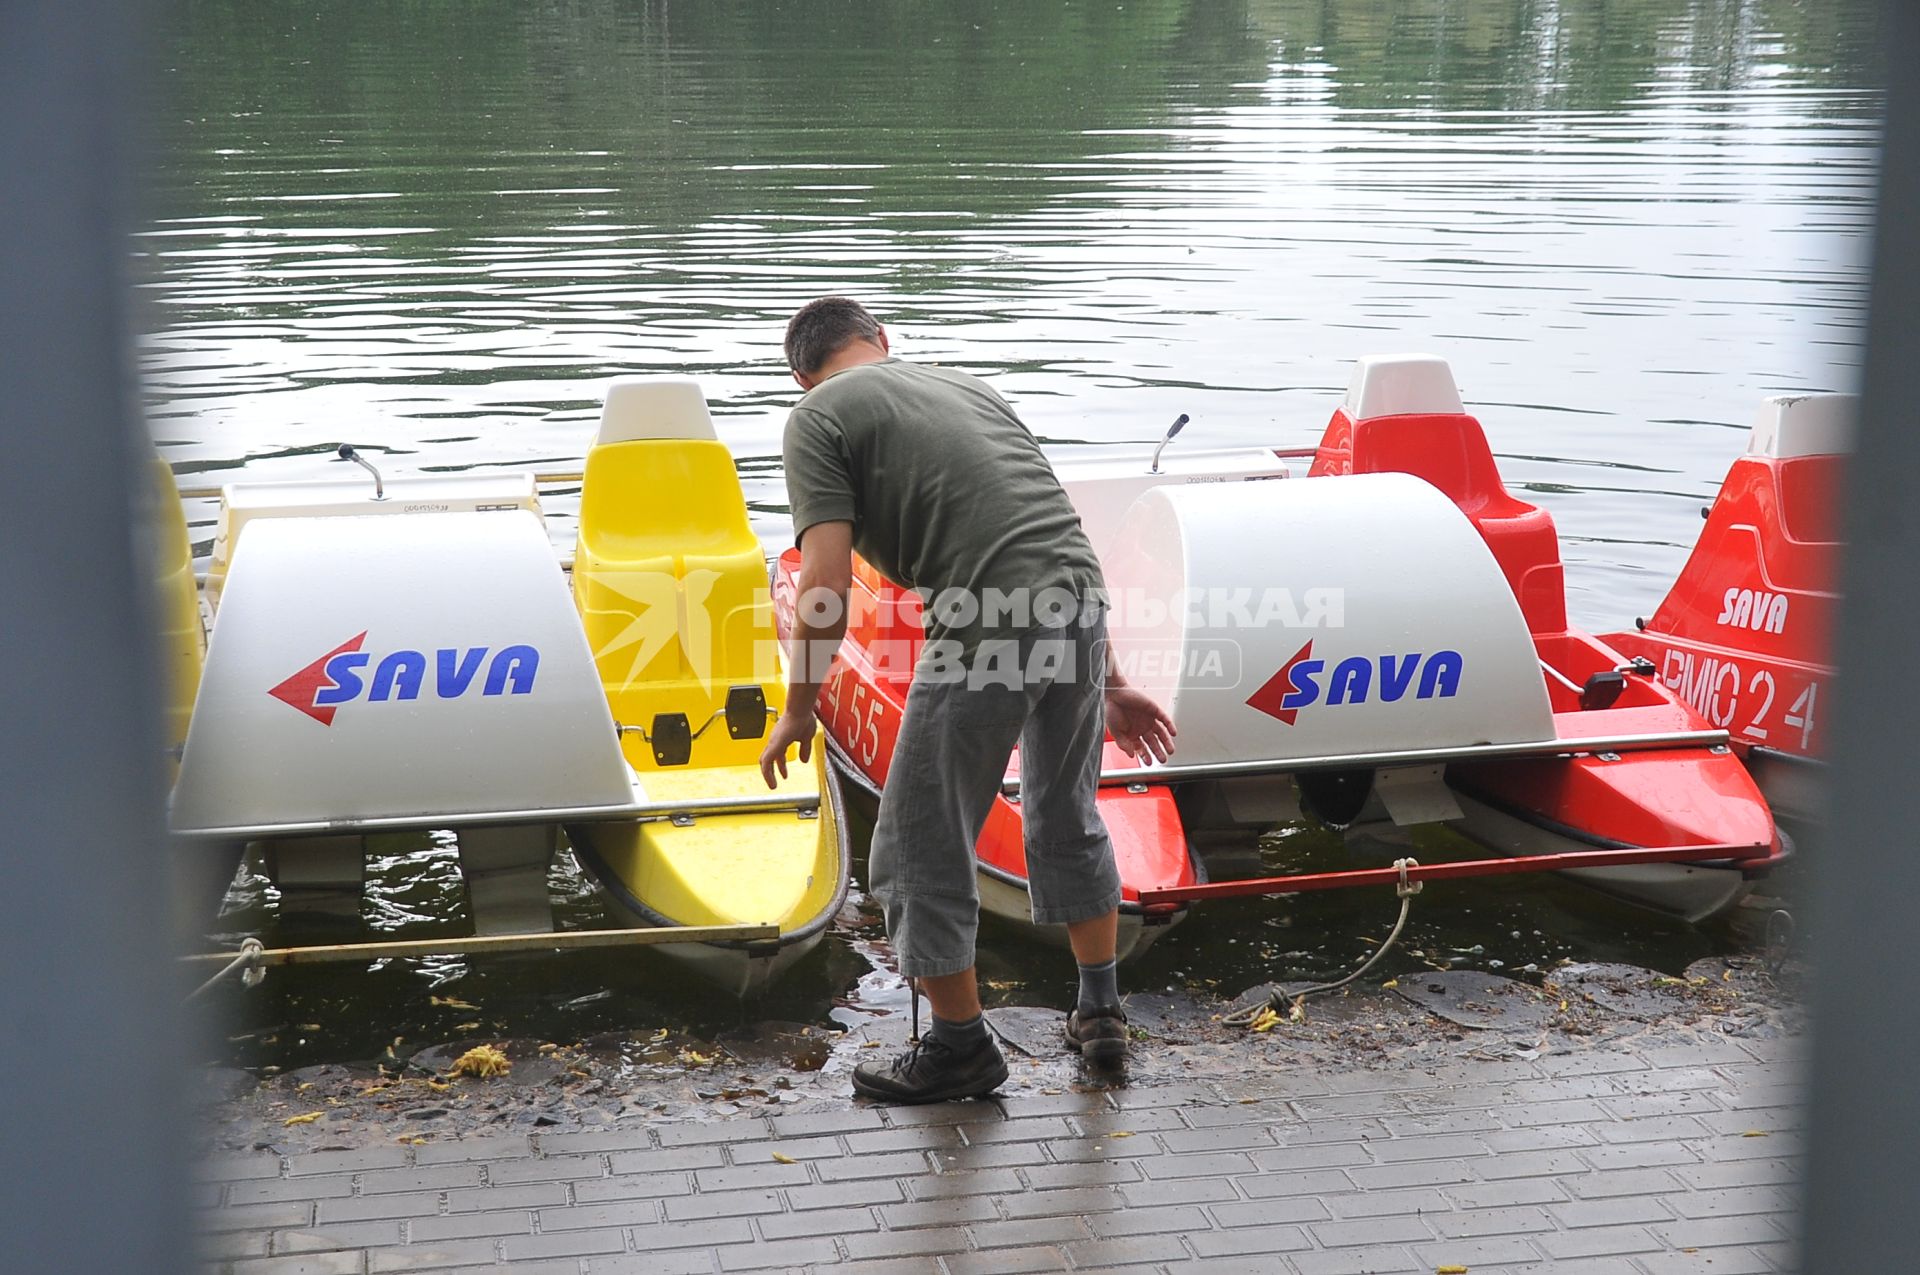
x=460, y=684
x=672, y=589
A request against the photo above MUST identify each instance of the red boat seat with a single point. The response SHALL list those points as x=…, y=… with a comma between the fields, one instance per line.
x=1809, y=502
x=1773, y=529
x=1450, y=451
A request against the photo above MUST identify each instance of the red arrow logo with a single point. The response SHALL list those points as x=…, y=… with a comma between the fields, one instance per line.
x=1276, y=689
x=299, y=690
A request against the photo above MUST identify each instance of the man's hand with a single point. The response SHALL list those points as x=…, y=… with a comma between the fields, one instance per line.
x=826, y=574
x=791, y=728
x=1139, y=725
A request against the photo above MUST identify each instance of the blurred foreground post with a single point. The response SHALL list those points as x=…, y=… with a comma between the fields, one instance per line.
x=90, y=1170
x=1863, y=1173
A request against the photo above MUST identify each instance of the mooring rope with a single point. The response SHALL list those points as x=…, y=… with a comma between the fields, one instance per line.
x=1292, y=1007
x=247, y=960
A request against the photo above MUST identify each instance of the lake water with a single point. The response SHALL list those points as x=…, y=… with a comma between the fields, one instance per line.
x=434, y=230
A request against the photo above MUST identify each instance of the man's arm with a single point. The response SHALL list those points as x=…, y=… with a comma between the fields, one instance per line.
x=819, y=622
x=1141, y=727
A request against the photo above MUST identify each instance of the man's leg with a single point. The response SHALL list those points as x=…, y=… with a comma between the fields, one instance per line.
x=1070, y=867
x=955, y=997
x=947, y=764
x=1095, y=940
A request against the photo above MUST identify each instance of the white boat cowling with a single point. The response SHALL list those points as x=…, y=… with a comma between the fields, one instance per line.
x=378, y=671
x=242, y=504
x=1324, y=617
x=1103, y=488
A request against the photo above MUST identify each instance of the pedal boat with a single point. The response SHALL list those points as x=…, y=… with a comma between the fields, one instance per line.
x=1406, y=660
x=406, y=655
x=861, y=707
x=1744, y=635
x=671, y=585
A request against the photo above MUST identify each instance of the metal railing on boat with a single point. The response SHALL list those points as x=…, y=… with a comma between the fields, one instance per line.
x=1304, y=882
x=549, y=479
x=1597, y=744
x=631, y=812
x=481, y=945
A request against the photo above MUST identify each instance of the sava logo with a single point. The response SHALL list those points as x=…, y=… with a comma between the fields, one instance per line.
x=1354, y=681
x=1753, y=609
x=340, y=676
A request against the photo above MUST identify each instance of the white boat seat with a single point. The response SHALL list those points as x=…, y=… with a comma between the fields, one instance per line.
x=655, y=407
x=1789, y=426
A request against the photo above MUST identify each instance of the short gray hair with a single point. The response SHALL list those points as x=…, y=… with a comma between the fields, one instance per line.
x=821, y=329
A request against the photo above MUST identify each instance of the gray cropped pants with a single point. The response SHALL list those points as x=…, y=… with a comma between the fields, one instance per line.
x=948, y=761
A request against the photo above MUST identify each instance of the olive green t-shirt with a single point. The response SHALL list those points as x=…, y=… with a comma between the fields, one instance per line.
x=946, y=490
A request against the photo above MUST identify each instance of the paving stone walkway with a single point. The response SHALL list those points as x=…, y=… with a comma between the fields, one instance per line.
x=1642, y=1162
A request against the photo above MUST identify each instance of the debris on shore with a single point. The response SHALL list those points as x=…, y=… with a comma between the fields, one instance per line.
x=1416, y=1022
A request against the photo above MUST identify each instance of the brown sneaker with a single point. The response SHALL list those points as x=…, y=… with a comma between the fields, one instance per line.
x=1099, y=1034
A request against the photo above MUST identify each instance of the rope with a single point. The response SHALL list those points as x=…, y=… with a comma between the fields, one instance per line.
x=248, y=958
x=1293, y=1007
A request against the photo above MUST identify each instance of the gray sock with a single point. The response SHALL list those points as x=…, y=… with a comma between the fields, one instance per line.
x=962, y=1037
x=1100, y=985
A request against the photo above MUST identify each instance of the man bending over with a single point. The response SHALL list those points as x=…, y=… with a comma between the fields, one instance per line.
x=932, y=478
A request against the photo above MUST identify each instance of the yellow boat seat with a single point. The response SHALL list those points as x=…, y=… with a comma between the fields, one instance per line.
x=671, y=584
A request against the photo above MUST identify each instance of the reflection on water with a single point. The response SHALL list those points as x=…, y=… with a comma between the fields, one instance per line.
x=307, y=1014
x=432, y=231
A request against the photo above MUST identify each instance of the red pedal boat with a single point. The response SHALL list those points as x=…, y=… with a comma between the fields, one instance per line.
x=1383, y=642
x=861, y=706
x=1744, y=634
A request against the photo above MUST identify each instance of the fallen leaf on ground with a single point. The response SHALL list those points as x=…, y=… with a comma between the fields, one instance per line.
x=1754, y=1133
x=1121, y=1133
x=779, y=1158
x=482, y=1061
x=309, y=1118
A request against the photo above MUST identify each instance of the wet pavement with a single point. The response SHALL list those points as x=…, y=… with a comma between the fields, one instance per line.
x=1610, y=1119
